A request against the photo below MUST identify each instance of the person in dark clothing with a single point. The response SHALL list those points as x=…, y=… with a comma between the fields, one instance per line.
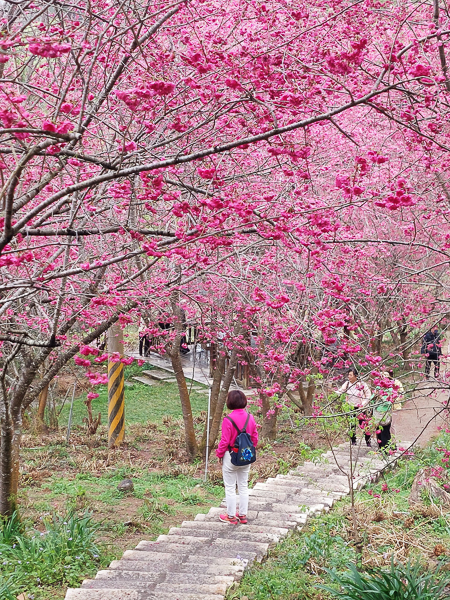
x=166, y=323
x=144, y=344
x=431, y=349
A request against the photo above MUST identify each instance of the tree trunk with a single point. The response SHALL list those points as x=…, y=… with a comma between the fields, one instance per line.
x=403, y=333
x=269, y=426
x=175, y=357
x=189, y=431
x=91, y=423
x=293, y=399
x=9, y=465
x=215, y=391
x=307, y=396
x=376, y=341
x=394, y=336
x=227, y=379
x=40, y=423
x=310, y=395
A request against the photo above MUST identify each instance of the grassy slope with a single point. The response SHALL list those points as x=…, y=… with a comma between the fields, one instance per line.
x=143, y=403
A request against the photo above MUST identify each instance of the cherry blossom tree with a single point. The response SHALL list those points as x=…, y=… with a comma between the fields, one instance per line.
x=144, y=144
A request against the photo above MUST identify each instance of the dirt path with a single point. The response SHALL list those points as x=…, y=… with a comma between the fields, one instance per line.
x=421, y=416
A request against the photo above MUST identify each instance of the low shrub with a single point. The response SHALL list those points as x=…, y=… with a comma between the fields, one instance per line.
x=62, y=554
x=401, y=582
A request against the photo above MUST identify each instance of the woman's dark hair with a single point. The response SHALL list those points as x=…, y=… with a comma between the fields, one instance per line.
x=353, y=370
x=236, y=399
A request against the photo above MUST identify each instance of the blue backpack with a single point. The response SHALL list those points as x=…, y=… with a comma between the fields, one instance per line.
x=243, y=452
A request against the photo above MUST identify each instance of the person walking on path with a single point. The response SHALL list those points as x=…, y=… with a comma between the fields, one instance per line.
x=357, y=394
x=233, y=475
x=432, y=350
x=386, y=399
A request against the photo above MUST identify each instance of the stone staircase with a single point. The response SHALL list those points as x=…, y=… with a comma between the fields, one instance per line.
x=200, y=559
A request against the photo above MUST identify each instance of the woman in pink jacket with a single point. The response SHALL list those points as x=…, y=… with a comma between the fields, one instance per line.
x=232, y=475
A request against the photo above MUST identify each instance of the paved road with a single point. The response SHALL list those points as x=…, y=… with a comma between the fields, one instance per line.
x=421, y=416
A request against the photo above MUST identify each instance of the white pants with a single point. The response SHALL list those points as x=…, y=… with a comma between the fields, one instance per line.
x=233, y=475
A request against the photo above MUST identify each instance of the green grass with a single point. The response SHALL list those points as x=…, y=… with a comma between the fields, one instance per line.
x=181, y=489
x=142, y=403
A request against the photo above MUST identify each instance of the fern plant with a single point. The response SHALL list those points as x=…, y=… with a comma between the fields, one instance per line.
x=401, y=582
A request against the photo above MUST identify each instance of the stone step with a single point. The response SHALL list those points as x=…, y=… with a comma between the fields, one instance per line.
x=185, y=586
x=260, y=519
x=131, y=594
x=275, y=507
x=158, y=375
x=230, y=553
x=306, y=480
x=293, y=491
x=293, y=511
x=330, y=486
x=260, y=548
x=210, y=526
x=185, y=538
x=113, y=584
x=336, y=457
x=316, y=475
x=266, y=497
x=296, y=501
x=282, y=487
x=114, y=577
x=327, y=484
x=196, y=545
x=118, y=575
x=158, y=559
x=144, y=549
x=260, y=516
x=230, y=533
x=202, y=579
x=145, y=380
x=191, y=561
x=192, y=588
x=274, y=494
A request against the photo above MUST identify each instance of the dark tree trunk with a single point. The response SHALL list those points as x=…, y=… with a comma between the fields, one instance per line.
x=175, y=357
x=189, y=431
x=9, y=464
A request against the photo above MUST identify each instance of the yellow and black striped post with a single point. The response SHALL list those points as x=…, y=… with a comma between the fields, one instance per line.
x=116, y=399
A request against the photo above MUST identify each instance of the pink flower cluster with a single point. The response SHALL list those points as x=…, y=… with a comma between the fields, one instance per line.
x=138, y=97
x=48, y=48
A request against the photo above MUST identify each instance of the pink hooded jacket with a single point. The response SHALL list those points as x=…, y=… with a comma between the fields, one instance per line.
x=229, y=432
